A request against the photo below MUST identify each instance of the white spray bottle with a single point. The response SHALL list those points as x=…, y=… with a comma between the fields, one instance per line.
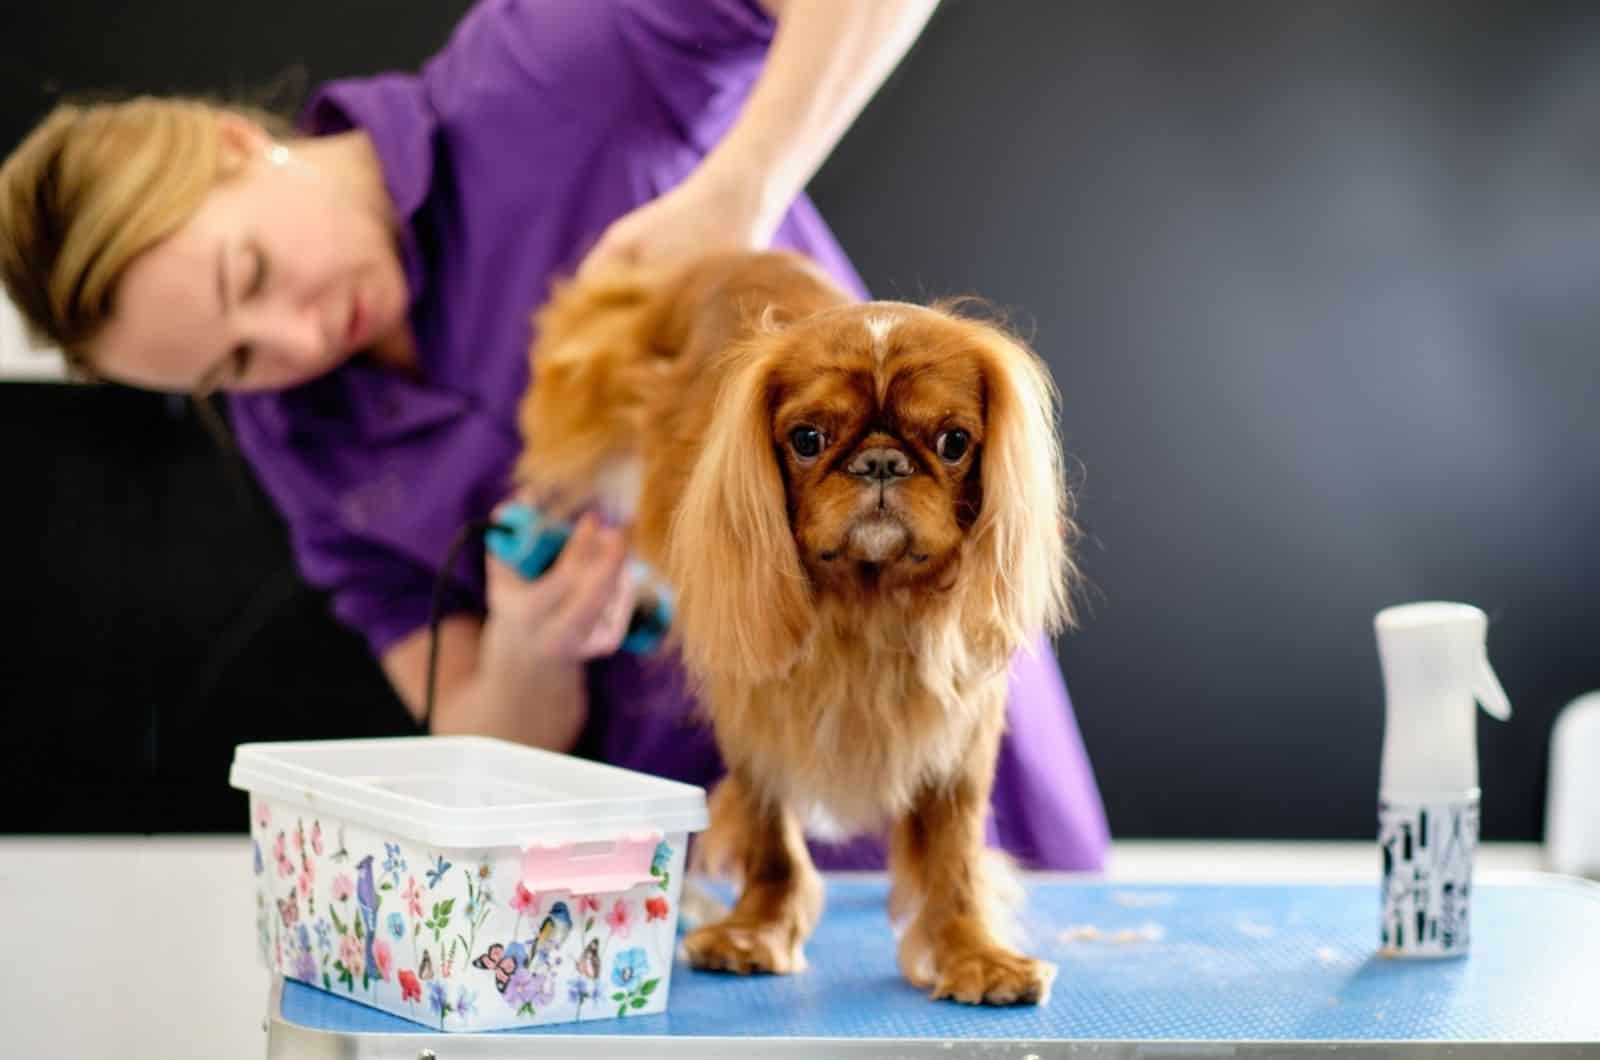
x=1435, y=668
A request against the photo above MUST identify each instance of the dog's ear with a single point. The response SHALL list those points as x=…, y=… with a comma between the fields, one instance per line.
x=1021, y=565
x=745, y=610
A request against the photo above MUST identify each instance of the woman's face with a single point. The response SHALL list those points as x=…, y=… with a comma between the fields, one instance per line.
x=288, y=267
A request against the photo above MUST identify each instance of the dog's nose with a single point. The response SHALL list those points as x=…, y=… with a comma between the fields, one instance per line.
x=881, y=464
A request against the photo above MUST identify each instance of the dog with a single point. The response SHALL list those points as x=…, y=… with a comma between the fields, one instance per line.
x=861, y=509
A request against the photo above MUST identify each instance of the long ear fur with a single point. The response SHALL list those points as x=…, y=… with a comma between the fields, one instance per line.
x=745, y=611
x=1022, y=567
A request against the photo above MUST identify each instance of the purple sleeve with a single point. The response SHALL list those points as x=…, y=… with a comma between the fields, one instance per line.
x=606, y=61
x=374, y=585
x=716, y=27
x=697, y=58
x=378, y=592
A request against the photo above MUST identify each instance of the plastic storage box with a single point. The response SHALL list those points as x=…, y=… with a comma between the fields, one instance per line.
x=466, y=883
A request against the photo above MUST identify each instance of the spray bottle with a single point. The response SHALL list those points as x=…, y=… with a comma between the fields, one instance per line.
x=1435, y=669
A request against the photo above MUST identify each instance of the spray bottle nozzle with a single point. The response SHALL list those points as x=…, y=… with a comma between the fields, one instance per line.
x=1435, y=668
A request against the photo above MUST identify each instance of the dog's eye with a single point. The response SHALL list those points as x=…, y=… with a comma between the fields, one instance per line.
x=952, y=445
x=807, y=442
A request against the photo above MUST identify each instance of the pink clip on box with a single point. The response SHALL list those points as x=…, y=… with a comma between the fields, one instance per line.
x=466, y=883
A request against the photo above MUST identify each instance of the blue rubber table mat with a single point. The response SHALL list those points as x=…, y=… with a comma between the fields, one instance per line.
x=1183, y=962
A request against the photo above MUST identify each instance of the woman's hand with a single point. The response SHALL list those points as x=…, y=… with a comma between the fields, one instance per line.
x=716, y=208
x=576, y=611
x=826, y=60
x=519, y=674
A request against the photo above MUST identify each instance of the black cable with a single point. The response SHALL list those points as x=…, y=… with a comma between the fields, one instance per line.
x=476, y=526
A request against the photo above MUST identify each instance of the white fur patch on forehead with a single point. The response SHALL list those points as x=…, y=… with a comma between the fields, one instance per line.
x=878, y=326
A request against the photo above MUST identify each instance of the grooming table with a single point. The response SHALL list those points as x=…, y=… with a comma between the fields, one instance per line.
x=1145, y=971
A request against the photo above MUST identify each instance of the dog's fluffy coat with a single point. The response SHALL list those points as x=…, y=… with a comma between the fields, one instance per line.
x=849, y=626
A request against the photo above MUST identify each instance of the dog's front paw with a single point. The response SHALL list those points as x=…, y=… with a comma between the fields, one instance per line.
x=993, y=976
x=745, y=948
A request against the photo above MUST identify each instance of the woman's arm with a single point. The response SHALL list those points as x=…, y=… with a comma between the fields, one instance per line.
x=827, y=59
x=519, y=673
x=548, y=712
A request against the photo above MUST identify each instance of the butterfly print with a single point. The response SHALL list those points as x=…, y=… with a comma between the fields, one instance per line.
x=589, y=960
x=503, y=966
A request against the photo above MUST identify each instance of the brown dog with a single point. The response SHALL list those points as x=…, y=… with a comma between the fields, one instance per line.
x=861, y=509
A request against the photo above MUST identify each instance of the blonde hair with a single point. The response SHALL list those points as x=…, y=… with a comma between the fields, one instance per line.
x=86, y=193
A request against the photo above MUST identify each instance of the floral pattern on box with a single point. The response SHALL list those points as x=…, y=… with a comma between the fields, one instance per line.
x=453, y=939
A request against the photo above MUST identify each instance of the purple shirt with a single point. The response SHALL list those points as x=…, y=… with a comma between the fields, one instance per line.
x=539, y=123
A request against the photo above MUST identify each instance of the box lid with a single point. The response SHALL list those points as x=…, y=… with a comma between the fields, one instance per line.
x=467, y=791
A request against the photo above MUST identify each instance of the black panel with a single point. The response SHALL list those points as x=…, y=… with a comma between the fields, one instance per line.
x=1316, y=284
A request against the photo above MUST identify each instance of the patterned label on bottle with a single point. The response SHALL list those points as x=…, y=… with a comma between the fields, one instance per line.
x=1427, y=850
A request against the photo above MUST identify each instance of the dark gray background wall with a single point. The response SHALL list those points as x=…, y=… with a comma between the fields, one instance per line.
x=1315, y=283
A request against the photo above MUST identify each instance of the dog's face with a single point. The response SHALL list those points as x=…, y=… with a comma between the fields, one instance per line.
x=877, y=417
x=862, y=451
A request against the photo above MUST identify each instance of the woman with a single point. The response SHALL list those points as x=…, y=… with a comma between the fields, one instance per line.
x=362, y=294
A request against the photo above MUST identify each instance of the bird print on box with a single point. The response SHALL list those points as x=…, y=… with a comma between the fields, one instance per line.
x=1427, y=876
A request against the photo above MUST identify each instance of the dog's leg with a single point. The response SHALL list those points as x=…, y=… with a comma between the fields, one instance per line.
x=780, y=896
x=942, y=895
